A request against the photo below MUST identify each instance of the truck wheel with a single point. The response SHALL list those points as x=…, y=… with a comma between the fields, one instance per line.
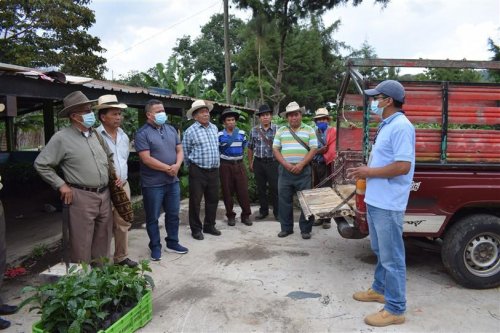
x=471, y=251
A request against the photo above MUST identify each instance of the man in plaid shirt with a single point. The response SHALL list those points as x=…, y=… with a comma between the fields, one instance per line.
x=262, y=162
x=201, y=156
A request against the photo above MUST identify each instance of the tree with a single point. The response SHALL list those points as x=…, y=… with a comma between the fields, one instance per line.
x=494, y=75
x=206, y=53
x=50, y=33
x=287, y=14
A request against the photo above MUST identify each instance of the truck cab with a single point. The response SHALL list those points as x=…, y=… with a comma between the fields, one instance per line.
x=455, y=196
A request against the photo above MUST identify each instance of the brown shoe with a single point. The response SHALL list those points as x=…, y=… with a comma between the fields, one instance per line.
x=384, y=318
x=369, y=295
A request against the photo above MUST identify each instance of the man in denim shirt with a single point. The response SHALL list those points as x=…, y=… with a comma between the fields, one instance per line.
x=388, y=177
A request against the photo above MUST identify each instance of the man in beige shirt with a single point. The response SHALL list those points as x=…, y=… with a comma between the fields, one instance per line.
x=84, y=188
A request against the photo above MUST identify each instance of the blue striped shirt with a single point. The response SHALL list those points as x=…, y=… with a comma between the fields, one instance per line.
x=201, y=146
x=235, y=151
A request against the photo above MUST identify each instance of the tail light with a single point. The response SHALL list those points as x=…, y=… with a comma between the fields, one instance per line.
x=360, y=221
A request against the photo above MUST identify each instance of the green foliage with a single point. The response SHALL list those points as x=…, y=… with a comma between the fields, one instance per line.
x=88, y=300
x=450, y=74
x=205, y=55
x=494, y=75
x=46, y=33
x=39, y=251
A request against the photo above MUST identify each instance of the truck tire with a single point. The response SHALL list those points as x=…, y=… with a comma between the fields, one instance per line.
x=470, y=251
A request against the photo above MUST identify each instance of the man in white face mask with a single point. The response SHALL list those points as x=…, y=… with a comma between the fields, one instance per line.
x=84, y=188
x=160, y=151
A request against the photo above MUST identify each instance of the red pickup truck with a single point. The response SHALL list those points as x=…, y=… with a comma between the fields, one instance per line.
x=455, y=198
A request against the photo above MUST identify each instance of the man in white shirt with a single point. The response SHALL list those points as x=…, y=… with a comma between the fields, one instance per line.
x=110, y=115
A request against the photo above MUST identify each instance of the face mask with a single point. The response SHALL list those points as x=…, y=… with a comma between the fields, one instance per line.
x=376, y=109
x=88, y=119
x=160, y=118
x=322, y=126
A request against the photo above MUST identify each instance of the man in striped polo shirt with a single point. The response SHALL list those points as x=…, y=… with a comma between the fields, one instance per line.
x=294, y=147
x=233, y=176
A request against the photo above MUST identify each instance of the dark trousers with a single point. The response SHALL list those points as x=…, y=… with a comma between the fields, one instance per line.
x=320, y=171
x=202, y=183
x=266, y=173
x=234, y=179
x=288, y=185
x=3, y=247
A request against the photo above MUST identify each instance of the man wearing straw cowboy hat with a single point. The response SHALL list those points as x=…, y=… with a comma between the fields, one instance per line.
x=202, y=158
x=85, y=185
x=321, y=163
x=110, y=115
x=294, y=146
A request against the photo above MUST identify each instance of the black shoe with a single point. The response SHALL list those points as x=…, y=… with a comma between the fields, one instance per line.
x=318, y=222
x=7, y=309
x=197, y=235
x=231, y=221
x=128, y=262
x=261, y=216
x=246, y=221
x=327, y=225
x=212, y=230
x=284, y=233
x=306, y=235
x=4, y=324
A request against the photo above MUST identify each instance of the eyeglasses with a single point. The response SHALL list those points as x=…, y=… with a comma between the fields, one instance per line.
x=380, y=97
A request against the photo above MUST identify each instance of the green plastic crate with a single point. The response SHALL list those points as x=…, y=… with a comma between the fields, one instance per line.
x=136, y=318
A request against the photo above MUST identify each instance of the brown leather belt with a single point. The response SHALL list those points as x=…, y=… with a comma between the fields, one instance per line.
x=90, y=189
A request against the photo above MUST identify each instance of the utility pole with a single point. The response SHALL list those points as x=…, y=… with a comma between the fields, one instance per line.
x=227, y=55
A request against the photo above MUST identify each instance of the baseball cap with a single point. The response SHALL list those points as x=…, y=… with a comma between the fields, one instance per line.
x=389, y=88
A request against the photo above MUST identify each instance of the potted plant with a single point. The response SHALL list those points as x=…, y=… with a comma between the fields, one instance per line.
x=109, y=298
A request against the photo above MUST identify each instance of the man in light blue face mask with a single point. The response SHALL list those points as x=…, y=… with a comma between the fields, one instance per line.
x=160, y=152
x=84, y=188
x=388, y=175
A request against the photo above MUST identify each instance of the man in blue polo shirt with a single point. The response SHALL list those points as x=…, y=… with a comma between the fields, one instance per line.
x=161, y=155
x=233, y=176
x=388, y=177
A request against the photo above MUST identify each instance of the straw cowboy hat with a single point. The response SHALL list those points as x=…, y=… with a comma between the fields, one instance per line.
x=321, y=113
x=293, y=107
x=73, y=101
x=108, y=102
x=2, y=107
x=229, y=113
x=198, y=104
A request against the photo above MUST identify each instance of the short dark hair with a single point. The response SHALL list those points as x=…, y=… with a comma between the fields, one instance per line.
x=150, y=103
x=397, y=104
x=102, y=112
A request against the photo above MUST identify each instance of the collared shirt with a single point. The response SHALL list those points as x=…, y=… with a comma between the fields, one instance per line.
x=82, y=160
x=293, y=151
x=120, y=150
x=235, y=151
x=201, y=146
x=162, y=145
x=259, y=146
x=395, y=142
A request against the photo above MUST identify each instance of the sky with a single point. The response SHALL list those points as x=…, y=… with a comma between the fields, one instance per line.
x=139, y=34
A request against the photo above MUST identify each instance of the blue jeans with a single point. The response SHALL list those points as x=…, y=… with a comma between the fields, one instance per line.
x=167, y=196
x=288, y=185
x=386, y=237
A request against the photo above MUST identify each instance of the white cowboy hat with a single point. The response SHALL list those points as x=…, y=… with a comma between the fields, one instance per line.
x=198, y=104
x=108, y=102
x=72, y=101
x=293, y=107
x=2, y=107
x=321, y=113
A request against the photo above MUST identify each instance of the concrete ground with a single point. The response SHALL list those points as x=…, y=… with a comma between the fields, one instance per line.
x=249, y=280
